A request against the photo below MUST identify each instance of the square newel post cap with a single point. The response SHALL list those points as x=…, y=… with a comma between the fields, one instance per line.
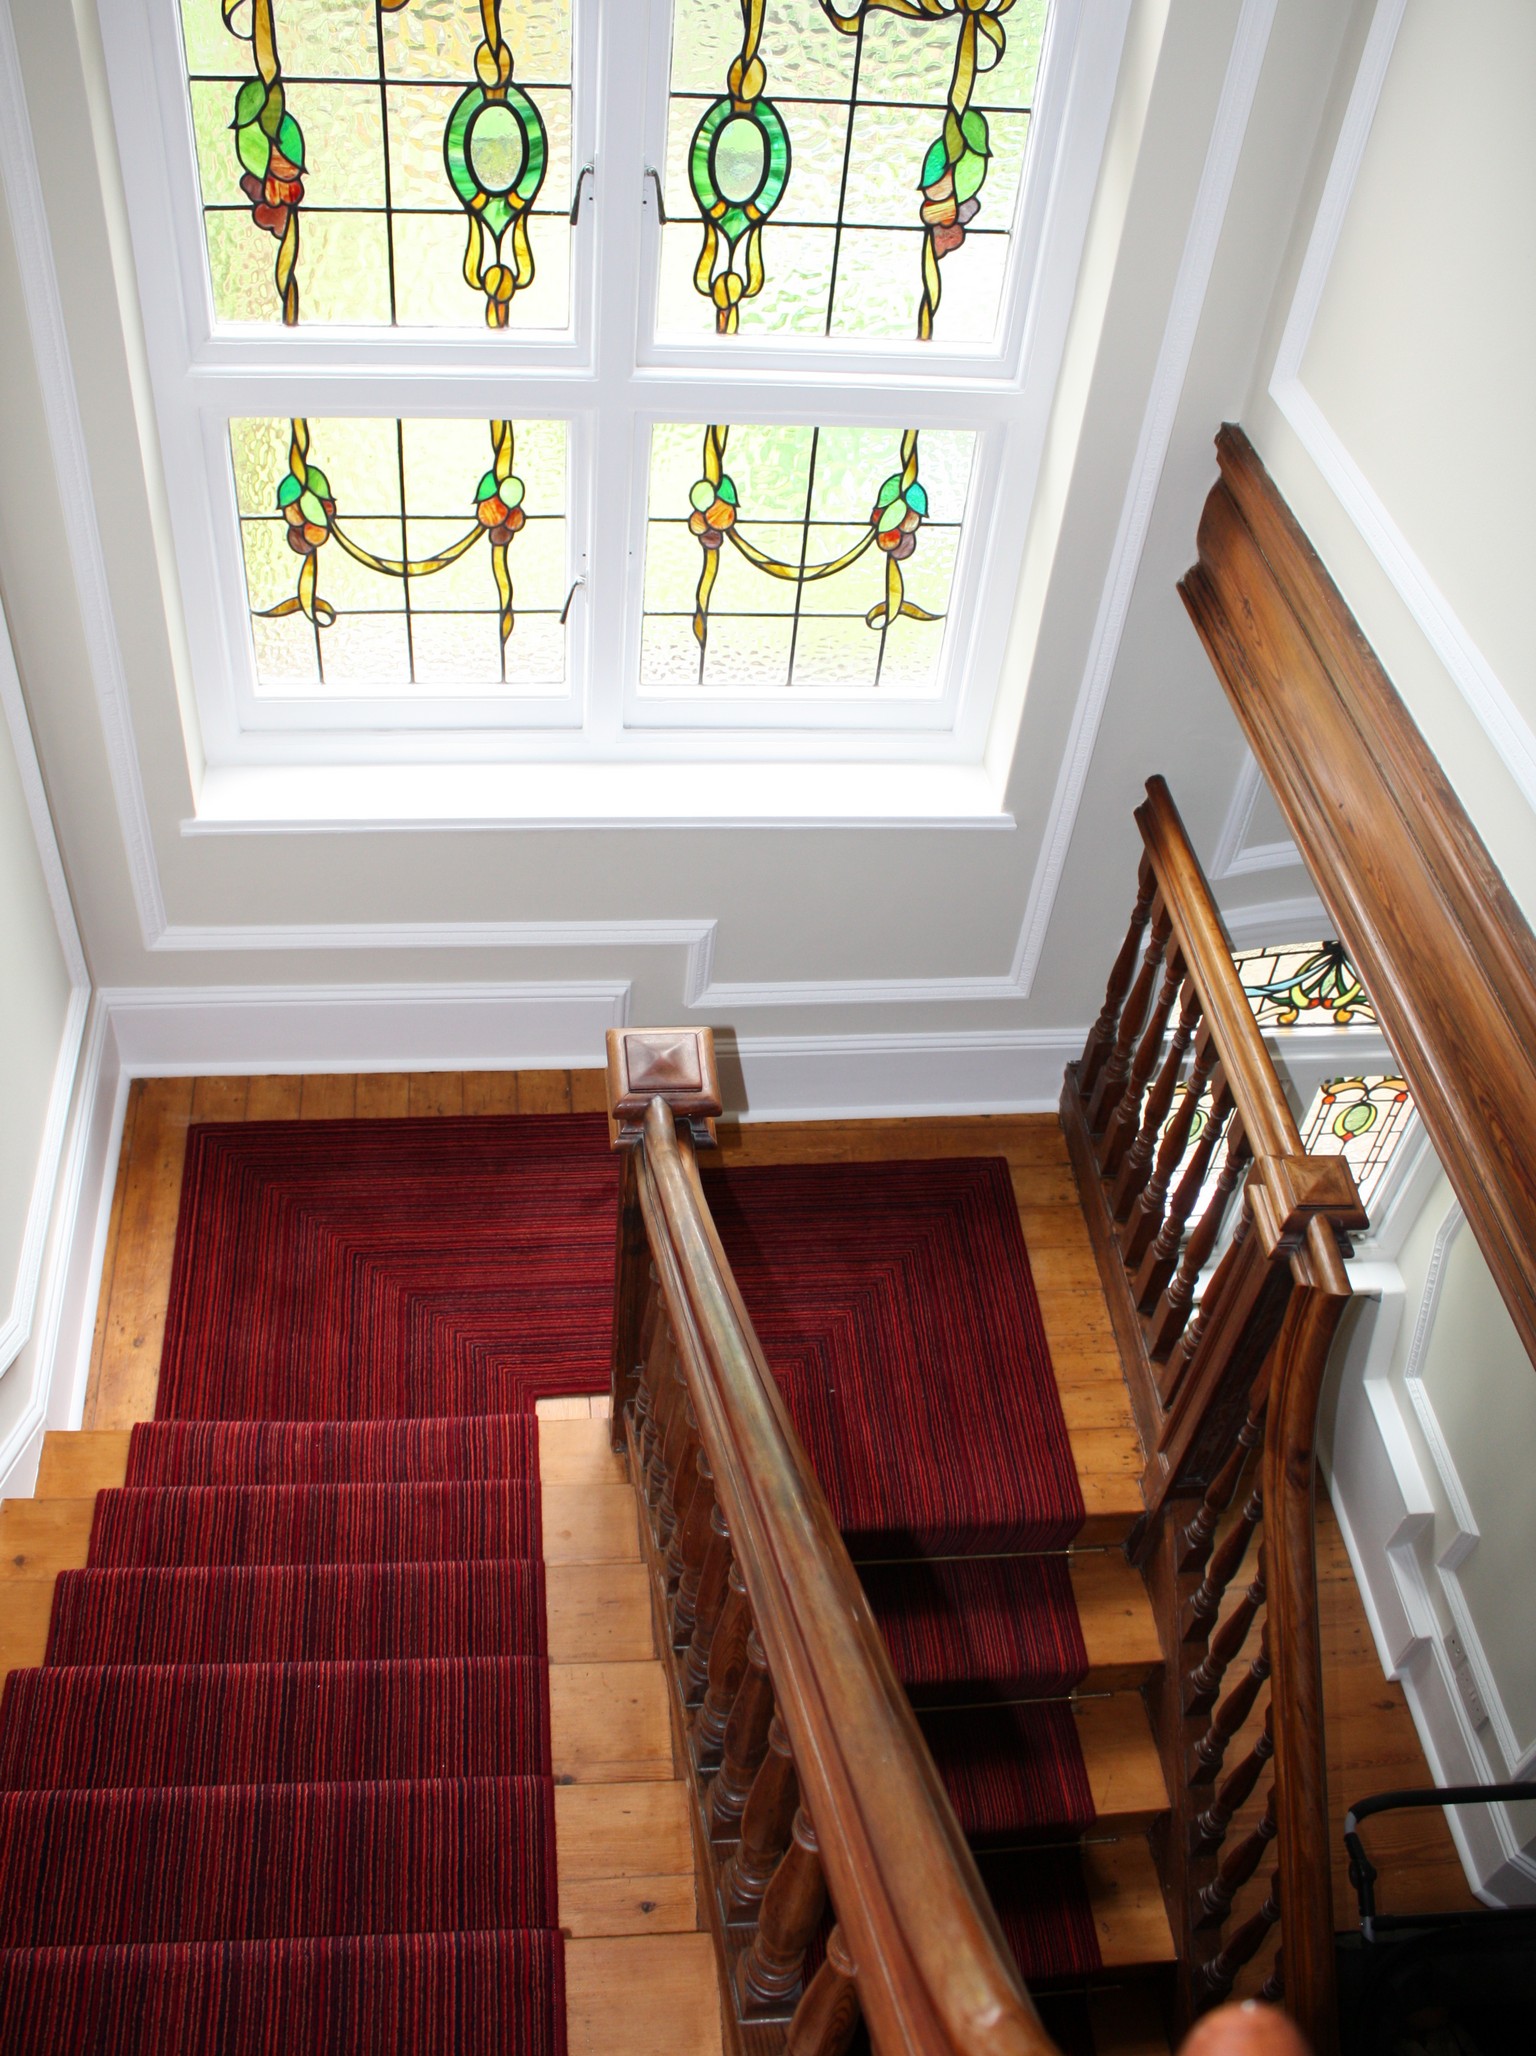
x=674, y=1064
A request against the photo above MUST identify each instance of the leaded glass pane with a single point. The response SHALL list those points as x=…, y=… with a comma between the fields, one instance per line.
x=384, y=161
x=845, y=168
x=1304, y=984
x=781, y=557
x=384, y=557
x=1362, y=1120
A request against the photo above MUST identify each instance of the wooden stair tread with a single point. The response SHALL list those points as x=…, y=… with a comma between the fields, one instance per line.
x=649, y=1995
x=1125, y=1771
x=579, y=1452
x=609, y=1723
x=41, y=1537
x=1119, y=1632
x=76, y=1464
x=1128, y=1910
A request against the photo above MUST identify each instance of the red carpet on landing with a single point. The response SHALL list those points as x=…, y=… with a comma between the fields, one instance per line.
x=283, y=1780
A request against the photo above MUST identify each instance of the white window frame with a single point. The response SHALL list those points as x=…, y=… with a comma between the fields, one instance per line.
x=609, y=378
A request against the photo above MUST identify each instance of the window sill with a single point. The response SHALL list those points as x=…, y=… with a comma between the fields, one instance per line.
x=304, y=799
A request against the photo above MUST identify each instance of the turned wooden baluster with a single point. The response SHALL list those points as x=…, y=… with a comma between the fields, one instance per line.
x=1125, y=1124
x=768, y=1975
x=1205, y=1679
x=651, y=1317
x=1237, y=1868
x=676, y=1467
x=1272, y=1991
x=1205, y=1601
x=1195, y=1544
x=1223, y=1279
x=743, y=1745
x=1137, y=1166
x=1102, y=1033
x=727, y=1667
x=1217, y=1977
x=666, y=1403
x=692, y=1545
x=1229, y=1717
x=1211, y=1826
x=653, y=1379
x=827, y=2017
x=1144, y=1217
x=766, y=1822
x=714, y=1584
x=1161, y=1260
x=1108, y=1092
x=685, y=1480
x=1170, y=1340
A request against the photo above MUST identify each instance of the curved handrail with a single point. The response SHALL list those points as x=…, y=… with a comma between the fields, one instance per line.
x=934, y=1974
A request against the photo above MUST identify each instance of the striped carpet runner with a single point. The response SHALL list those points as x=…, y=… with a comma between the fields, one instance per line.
x=283, y=1781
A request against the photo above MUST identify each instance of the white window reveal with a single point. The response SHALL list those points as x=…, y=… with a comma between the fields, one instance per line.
x=553, y=380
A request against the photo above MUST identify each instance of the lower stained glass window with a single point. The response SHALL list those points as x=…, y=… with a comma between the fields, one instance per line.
x=384, y=557
x=1362, y=1120
x=800, y=558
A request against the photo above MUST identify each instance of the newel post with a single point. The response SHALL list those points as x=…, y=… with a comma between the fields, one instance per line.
x=677, y=1065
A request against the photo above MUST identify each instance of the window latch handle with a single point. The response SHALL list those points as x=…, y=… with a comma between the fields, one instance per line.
x=661, y=206
x=581, y=179
x=570, y=598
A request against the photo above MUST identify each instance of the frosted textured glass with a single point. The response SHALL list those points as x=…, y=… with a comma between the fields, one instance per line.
x=455, y=650
x=747, y=652
x=443, y=465
x=804, y=501
x=669, y=656
x=835, y=653
x=367, y=653
x=382, y=231
x=865, y=114
x=285, y=652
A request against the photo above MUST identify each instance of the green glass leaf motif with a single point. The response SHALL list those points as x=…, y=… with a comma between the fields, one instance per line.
x=933, y=163
x=288, y=491
x=973, y=124
x=319, y=484
x=970, y=173
x=249, y=102
x=253, y=149
x=290, y=140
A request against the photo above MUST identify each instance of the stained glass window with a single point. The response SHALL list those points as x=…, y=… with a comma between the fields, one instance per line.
x=1304, y=984
x=846, y=168
x=384, y=161
x=1361, y=1119
x=800, y=557
x=391, y=556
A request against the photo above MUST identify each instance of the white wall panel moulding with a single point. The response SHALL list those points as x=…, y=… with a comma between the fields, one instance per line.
x=1484, y=692
x=234, y=1029
x=1235, y=855
x=1188, y=302
x=45, y=318
x=16, y=1316
x=66, y=1307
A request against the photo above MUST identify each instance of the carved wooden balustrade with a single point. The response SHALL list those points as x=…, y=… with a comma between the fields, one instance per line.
x=813, y=1790
x=1186, y=1151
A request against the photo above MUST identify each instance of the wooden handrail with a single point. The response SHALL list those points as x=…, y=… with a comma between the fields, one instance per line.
x=931, y=1969
x=1447, y=956
x=1210, y=1383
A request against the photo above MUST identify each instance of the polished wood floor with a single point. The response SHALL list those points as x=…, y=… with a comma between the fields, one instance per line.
x=599, y=1617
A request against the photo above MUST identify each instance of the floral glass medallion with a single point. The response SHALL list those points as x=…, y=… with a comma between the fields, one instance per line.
x=387, y=557
x=845, y=168
x=377, y=162
x=800, y=558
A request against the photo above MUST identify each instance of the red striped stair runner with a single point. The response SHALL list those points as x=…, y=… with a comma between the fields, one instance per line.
x=283, y=1780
